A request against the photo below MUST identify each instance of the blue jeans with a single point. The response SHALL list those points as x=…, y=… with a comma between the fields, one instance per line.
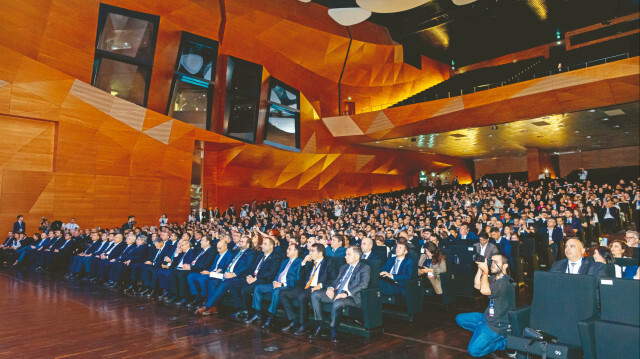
x=484, y=341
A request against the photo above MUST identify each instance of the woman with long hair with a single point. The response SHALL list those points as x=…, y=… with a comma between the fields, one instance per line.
x=432, y=262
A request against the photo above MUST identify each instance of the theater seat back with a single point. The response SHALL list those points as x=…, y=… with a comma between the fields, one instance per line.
x=560, y=301
x=619, y=301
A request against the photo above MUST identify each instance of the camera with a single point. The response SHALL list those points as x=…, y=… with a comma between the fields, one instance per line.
x=480, y=258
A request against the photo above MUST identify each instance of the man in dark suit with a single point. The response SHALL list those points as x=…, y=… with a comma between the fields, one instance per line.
x=236, y=272
x=198, y=282
x=184, y=254
x=76, y=265
x=551, y=235
x=318, y=272
x=43, y=256
x=264, y=271
x=99, y=269
x=352, y=278
x=396, y=271
x=137, y=269
x=60, y=253
x=149, y=273
x=367, y=250
x=111, y=266
x=286, y=278
x=130, y=224
x=203, y=261
x=465, y=236
x=576, y=263
x=137, y=255
x=20, y=226
x=609, y=217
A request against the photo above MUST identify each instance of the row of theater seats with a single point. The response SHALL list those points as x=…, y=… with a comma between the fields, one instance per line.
x=496, y=76
x=472, y=81
x=591, y=317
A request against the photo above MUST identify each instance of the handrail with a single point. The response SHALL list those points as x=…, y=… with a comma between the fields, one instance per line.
x=526, y=77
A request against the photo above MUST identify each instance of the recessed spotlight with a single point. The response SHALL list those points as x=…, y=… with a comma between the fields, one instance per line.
x=588, y=136
x=592, y=110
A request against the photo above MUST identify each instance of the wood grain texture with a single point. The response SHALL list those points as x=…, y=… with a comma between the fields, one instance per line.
x=79, y=320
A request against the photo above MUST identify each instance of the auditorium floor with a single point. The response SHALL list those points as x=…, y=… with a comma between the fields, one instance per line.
x=44, y=316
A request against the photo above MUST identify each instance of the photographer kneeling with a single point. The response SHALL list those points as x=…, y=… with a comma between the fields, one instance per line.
x=490, y=329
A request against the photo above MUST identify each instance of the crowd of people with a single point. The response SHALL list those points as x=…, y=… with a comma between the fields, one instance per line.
x=300, y=258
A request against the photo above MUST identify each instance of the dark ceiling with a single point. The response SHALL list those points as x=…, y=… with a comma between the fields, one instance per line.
x=488, y=28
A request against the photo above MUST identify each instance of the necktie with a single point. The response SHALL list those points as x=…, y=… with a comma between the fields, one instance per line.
x=283, y=274
x=255, y=273
x=233, y=262
x=394, y=270
x=344, y=280
x=573, y=268
x=313, y=274
x=365, y=256
x=198, y=256
x=64, y=244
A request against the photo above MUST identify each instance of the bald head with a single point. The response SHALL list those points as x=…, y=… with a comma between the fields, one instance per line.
x=574, y=249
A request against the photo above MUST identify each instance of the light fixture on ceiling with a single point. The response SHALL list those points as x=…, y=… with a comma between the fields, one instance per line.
x=387, y=6
x=588, y=136
x=348, y=16
x=463, y=2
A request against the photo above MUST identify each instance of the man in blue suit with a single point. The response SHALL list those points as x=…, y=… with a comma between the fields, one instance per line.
x=396, y=271
x=99, y=271
x=203, y=261
x=137, y=269
x=136, y=255
x=184, y=255
x=502, y=243
x=76, y=266
x=337, y=248
x=198, y=282
x=60, y=253
x=317, y=272
x=236, y=272
x=20, y=226
x=465, y=236
x=149, y=273
x=91, y=262
x=367, y=247
x=111, y=266
x=552, y=235
x=39, y=255
x=286, y=278
x=264, y=271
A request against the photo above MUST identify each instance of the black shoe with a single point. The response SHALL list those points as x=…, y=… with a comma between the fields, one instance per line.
x=334, y=336
x=130, y=288
x=239, y=315
x=194, y=303
x=170, y=300
x=267, y=323
x=301, y=330
x=180, y=302
x=255, y=319
x=316, y=333
x=289, y=328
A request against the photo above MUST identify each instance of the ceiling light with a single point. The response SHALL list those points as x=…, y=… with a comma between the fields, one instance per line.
x=605, y=119
x=386, y=6
x=592, y=110
x=616, y=126
x=347, y=16
x=400, y=146
x=576, y=131
x=588, y=136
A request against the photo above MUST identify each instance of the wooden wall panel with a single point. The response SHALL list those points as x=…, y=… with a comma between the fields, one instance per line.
x=485, y=166
x=606, y=158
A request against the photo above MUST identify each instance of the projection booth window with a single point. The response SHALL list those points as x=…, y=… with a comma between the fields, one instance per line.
x=244, y=80
x=282, y=128
x=191, y=98
x=125, y=46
